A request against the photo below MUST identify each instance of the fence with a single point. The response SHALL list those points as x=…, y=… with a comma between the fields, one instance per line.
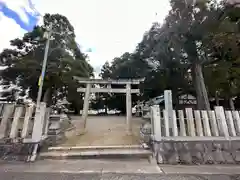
x=198, y=137
x=21, y=130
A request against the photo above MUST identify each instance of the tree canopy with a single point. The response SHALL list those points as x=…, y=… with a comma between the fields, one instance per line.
x=65, y=60
x=195, y=50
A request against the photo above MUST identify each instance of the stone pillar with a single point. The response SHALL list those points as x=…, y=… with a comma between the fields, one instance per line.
x=16, y=119
x=169, y=107
x=27, y=119
x=46, y=122
x=129, y=108
x=86, y=104
x=7, y=112
x=38, y=123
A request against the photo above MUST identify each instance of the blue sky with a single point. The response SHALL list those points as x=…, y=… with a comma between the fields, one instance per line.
x=108, y=27
x=31, y=16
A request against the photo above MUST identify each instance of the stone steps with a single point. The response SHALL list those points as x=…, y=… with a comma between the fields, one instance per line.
x=86, y=148
x=97, y=152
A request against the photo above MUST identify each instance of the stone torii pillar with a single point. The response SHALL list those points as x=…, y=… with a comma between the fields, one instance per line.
x=128, y=108
x=86, y=104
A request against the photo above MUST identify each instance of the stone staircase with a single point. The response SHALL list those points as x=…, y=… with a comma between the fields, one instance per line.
x=98, y=152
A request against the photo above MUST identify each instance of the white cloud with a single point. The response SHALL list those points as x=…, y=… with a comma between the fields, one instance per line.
x=20, y=6
x=17, y=6
x=8, y=31
x=109, y=27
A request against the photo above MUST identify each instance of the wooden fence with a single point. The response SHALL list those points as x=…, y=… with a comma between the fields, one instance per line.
x=21, y=128
x=197, y=137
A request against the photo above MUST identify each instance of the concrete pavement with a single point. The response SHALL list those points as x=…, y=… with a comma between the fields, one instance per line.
x=201, y=169
x=83, y=166
x=114, y=170
x=109, y=176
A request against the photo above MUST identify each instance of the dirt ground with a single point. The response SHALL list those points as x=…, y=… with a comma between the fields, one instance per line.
x=103, y=130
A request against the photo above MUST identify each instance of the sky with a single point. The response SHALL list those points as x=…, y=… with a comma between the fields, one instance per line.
x=108, y=27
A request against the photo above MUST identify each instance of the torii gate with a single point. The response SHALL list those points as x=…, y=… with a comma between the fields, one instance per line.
x=128, y=91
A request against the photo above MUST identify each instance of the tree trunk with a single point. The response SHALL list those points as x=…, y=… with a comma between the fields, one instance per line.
x=197, y=89
x=216, y=98
x=76, y=111
x=231, y=103
x=175, y=98
x=204, y=90
x=47, y=98
x=200, y=87
x=106, y=109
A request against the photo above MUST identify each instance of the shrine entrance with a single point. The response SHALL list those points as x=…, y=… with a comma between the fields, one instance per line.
x=105, y=136
x=105, y=130
x=106, y=87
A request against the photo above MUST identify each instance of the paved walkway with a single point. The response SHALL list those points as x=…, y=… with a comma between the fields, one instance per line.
x=110, y=176
x=84, y=166
x=115, y=166
x=113, y=170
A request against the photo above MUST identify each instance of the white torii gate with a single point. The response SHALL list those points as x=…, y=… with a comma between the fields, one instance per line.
x=128, y=91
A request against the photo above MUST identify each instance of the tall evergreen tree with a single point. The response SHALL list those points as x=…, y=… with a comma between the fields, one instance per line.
x=65, y=60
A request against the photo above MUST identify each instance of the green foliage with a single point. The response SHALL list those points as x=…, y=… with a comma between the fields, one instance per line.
x=65, y=60
x=196, y=42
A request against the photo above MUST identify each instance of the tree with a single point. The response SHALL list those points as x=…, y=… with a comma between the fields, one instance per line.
x=164, y=64
x=65, y=60
x=105, y=71
x=232, y=9
x=196, y=51
x=187, y=27
x=224, y=48
x=153, y=60
x=123, y=67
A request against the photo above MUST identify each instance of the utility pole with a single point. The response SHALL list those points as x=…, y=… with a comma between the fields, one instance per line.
x=37, y=118
x=41, y=78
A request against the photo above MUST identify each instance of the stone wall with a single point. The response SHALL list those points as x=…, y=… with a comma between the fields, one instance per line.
x=197, y=153
x=15, y=151
x=196, y=136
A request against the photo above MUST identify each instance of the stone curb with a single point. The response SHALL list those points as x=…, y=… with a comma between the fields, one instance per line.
x=63, y=148
x=201, y=169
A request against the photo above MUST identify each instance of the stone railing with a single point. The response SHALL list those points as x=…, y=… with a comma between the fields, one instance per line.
x=22, y=129
x=195, y=137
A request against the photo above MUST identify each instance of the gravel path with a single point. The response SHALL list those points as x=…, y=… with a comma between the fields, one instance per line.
x=104, y=130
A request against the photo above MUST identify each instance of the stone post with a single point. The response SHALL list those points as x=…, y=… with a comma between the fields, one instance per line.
x=16, y=119
x=169, y=108
x=27, y=119
x=7, y=112
x=46, y=122
x=86, y=104
x=129, y=108
x=38, y=123
x=38, y=128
